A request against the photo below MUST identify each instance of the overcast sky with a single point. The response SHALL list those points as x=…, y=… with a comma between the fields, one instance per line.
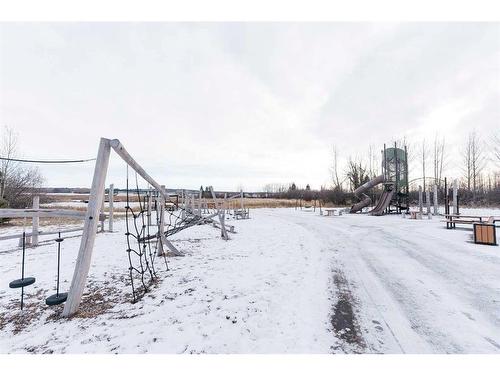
x=243, y=104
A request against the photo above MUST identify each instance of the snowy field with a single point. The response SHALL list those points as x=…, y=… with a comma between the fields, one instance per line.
x=289, y=281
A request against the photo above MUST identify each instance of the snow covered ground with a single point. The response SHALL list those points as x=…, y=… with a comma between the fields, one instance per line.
x=289, y=281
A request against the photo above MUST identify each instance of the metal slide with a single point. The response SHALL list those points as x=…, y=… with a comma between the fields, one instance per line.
x=382, y=203
x=360, y=193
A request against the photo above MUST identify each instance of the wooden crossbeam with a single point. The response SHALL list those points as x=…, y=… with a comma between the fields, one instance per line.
x=41, y=212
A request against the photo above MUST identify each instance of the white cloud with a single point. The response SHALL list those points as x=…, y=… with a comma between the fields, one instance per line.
x=230, y=104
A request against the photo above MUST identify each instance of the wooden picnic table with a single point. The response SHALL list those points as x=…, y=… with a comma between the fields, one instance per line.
x=330, y=211
x=452, y=220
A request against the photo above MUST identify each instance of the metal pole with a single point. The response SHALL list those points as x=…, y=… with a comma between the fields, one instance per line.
x=58, y=263
x=407, y=182
x=385, y=166
x=396, y=168
x=22, y=270
x=446, y=199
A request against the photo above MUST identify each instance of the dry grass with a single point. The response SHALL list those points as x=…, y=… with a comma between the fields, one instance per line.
x=273, y=203
x=59, y=221
x=85, y=197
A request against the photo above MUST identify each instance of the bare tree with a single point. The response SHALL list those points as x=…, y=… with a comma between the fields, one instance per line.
x=478, y=160
x=356, y=174
x=423, y=158
x=337, y=184
x=7, y=151
x=467, y=162
x=372, y=162
x=275, y=188
x=439, y=158
x=474, y=161
x=496, y=147
x=16, y=181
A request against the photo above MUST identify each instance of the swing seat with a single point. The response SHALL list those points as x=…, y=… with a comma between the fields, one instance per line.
x=56, y=299
x=20, y=283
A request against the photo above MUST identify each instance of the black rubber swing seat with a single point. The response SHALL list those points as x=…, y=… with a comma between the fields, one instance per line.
x=19, y=283
x=56, y=299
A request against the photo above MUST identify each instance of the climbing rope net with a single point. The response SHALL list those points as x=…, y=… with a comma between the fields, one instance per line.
x=144, y=233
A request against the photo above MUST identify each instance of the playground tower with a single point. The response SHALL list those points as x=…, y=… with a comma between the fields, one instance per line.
x=394, y=178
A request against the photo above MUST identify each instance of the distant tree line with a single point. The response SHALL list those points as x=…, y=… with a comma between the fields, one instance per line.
x=429, y=163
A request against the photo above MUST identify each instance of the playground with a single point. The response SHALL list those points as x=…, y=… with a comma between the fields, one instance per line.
x=305, y=284
x=200, y=272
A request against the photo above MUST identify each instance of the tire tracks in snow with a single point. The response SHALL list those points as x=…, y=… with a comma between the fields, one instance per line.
x=427, y=301
x=335, y=240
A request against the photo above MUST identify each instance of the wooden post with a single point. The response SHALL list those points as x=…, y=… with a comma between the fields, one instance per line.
x=435, y=199
x=183, y=200
x=161, y=250
x=150, y=203
x=101, y=214
x=163, y=239
x=455, y=196
x=36, y=221
x=89, y=230
x=199, y=206
x=111, y=194
x=420, y=202
x=223, y=232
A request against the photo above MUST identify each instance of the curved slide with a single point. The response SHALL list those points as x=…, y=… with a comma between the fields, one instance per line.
x=382, y=203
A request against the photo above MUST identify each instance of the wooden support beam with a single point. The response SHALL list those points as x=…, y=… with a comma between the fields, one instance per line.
x=455, y=197
x=89, y=229
x=161, y=229
x=40, y=233
x=230, y=228
x=170, y=246
x=242, y=204
x=102, y=216
x=120, y=150
x=111, y=194
x=150, y=203
x=36, y=221
x=41, y=212
x=221, y=214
